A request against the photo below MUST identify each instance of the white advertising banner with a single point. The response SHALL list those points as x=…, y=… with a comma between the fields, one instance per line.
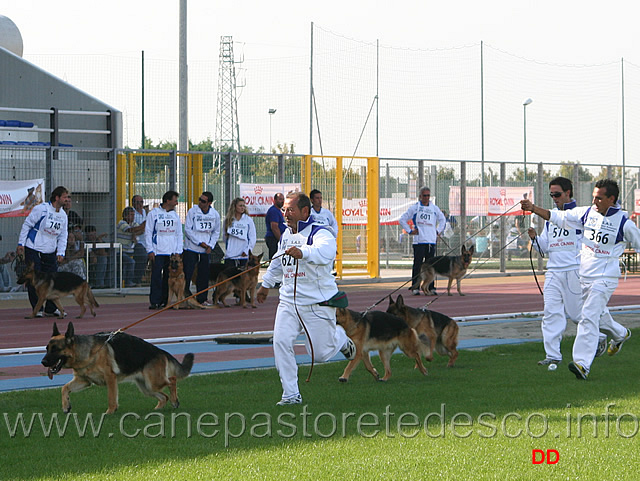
x=477, y=200
x=489, y=200
x=18, y=197
x=503, y=200
x=636, y=203
x=259, y=197
x=354, y=211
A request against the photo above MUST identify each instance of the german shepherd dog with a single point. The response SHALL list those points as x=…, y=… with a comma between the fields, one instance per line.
x=441, y=330
x=100, y=360
x=241, y=285
x=53, y=286
x=453, y=267
x=177, y=284
x=377, y=330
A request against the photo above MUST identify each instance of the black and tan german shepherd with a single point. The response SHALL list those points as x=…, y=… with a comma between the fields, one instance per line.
x=177, y=282
x=377, y=330
x=53, y=286
x=244, y=286
x=96, y=359
x=453, y=267
x=441, y=330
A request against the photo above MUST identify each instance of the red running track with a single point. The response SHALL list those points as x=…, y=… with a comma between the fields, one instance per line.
x=484, y=297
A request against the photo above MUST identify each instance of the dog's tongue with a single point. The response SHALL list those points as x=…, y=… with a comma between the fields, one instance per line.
x=50, y=373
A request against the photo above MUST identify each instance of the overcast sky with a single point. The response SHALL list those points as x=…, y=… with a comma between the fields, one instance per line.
x=564, y=31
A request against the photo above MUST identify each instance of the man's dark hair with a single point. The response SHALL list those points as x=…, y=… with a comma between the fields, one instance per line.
x=610, y=187
x=313, y=193
x=564, y=183
x=168, y=195
x=57, y=192
x=208, y=195
x=302, y=200
x=275, y=197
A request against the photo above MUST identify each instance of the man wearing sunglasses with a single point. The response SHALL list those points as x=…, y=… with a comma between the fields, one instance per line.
x=562, y=293
x=605, y=229
x=428, y=223
x=201, y=232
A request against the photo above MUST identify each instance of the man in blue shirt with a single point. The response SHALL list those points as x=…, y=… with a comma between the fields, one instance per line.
x=275, y=224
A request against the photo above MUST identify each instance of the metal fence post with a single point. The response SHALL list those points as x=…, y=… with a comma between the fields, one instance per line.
x=503, y=230
x=539, y=196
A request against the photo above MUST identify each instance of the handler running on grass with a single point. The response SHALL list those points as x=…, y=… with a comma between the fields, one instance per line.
x=562, y=296
x=313, y=248
x=605, y=231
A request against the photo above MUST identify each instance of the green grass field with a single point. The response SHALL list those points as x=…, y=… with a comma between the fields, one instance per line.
x=483, y=419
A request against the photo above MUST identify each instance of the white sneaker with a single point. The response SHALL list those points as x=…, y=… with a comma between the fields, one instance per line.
x=349, y=350
x=297, y=399
x=40, y=314
x=416, y=292
x=602, y=346
x=207, y=304
x=55, y=313
x=615, y=346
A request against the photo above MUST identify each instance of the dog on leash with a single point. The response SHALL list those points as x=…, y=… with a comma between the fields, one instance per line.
x=243, y=285
x=377, y=330
x=52, y=286
x=453, y=267
x=103, y=360
x=177, y=284
x=441, y=330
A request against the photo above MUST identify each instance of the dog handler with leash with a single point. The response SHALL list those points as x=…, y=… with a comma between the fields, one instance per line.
x=605, y=229
x=306, y=290
x=562, y=294
x=43, y=241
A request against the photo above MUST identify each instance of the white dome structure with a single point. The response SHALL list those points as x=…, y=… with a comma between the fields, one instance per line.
x=10, y=37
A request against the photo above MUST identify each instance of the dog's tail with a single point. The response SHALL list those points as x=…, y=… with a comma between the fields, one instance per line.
x=91, y=298
x=183, y=370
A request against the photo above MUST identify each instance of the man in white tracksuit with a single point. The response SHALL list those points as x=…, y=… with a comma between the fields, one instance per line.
x=43, y=241
x=562, y=292
x=201, y=232
x=163, y=237
x=313, y=249
x=321, y=215
x=428, y=223
x=606, y=228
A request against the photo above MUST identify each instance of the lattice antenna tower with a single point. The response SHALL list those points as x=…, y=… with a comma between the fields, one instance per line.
x=227, y=128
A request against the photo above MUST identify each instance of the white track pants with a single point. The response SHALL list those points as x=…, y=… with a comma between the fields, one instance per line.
x=562, y=301
x=595, y=317
x=327, y=338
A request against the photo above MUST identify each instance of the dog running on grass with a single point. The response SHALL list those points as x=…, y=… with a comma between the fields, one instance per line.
x=377, y=330
x=452, y=267
x=441, y=330
x=96, y=359
x=52, y=286
x=177, y=284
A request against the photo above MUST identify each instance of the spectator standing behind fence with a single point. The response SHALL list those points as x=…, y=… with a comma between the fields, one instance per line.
x=140, y=249
x=74, y=256
x=428, y=223
x=43, y=241
x=127, y=231
x=98, y=257
x=201, y=232
x=275, y=224
x=163, y=232
x=605, y=229
x=239, y=234
x=321, y=215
